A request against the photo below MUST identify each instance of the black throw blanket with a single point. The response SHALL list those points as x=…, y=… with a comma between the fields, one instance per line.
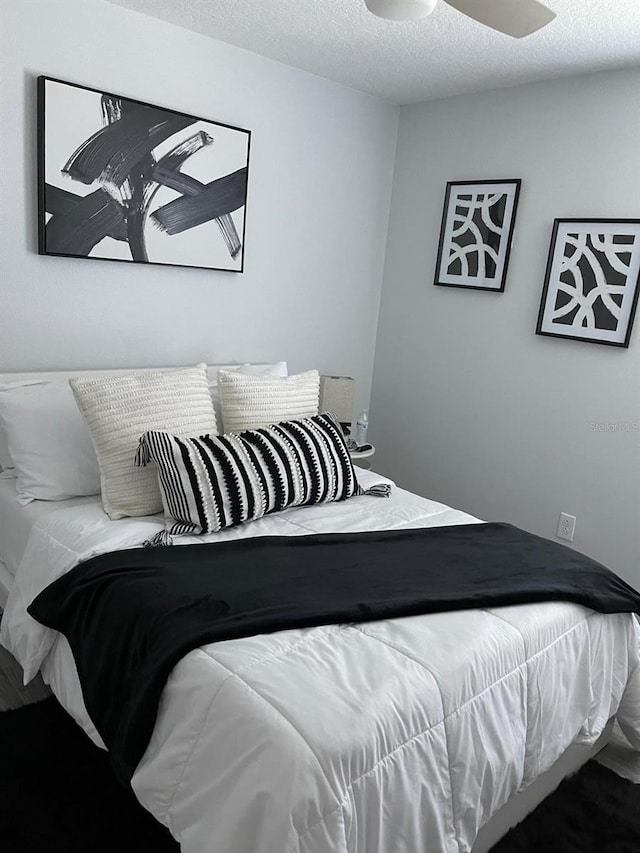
x=131, y=615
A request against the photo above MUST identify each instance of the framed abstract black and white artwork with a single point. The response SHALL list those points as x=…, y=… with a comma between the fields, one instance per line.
x=123, y=180
x=592, y=281
x=476, y=233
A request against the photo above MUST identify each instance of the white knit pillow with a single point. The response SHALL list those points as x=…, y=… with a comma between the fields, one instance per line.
x=278, y=369
x=119, y=408
x=250, y=402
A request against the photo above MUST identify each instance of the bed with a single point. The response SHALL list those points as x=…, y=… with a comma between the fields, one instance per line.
x=430, y=733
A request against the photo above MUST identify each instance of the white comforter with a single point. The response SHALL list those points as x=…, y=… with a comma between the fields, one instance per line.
x=403, y=735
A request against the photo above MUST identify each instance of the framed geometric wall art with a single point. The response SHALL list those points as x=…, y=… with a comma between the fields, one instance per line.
x=476, y=233
x=592, y=281
x=120, y=179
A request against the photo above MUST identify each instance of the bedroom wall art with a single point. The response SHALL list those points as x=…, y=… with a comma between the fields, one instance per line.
x=592, y=280
x=123, y=180
x=476, y=233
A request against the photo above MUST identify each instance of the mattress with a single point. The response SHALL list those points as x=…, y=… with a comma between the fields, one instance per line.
x=17, y=521
x=402, y=734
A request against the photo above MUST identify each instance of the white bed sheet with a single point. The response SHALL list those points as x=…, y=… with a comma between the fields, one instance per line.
x=386, y=737
x=6, y=582
x=16, y=521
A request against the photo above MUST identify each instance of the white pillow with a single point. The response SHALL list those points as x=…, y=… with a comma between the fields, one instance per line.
x=250, y=402
x=48, y=442
x=278, y=370
x=119, y=408
x=7, y=469
x=6, y=462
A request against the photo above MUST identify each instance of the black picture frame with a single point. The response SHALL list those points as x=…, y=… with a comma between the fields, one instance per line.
x=124, y=180
x=457, y=263
x=590, y=292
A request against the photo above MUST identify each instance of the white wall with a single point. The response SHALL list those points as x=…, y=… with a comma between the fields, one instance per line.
x=469, y=406
x=320, y=184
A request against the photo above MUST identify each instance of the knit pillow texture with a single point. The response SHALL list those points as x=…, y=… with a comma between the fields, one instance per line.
x=119, y=408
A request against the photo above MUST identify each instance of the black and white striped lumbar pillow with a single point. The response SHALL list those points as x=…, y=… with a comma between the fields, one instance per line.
x=212, y=482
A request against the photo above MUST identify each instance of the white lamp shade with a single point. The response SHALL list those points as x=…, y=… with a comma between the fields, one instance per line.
x=401, y=10
x=336, y=395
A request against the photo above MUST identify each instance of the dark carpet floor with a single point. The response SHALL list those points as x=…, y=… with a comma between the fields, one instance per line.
x=58, y=795
x=595, y=811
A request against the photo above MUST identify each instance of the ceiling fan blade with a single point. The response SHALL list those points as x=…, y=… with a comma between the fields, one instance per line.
x=517, y=18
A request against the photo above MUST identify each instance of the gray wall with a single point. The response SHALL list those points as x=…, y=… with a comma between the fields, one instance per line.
x=320, y=184
x=469, y=406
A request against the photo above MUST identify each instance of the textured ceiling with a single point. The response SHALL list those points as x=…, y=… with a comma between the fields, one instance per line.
x=443, y=54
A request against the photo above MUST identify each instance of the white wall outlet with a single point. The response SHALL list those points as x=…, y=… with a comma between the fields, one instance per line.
x=566, y=526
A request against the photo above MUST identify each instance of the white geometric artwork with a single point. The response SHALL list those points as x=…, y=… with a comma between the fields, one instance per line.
x=476, y=233
x=592, y=280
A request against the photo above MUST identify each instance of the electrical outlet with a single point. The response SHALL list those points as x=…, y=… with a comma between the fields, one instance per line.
x=566, y=526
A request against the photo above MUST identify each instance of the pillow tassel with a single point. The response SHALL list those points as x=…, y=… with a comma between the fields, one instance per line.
x=158, y=540
x=379, y=490
x=143, y=456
